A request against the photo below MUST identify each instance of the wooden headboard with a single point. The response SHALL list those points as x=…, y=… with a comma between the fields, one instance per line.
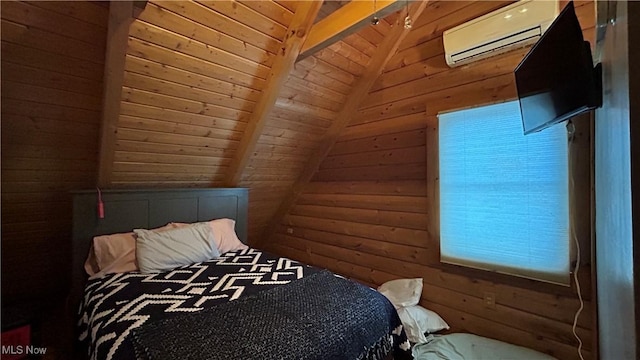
x=130, y=209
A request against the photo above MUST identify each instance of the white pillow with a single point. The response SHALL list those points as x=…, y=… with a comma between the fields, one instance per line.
x=166, y=250
x=402, y=292
x=417, y=321
x=224, y=234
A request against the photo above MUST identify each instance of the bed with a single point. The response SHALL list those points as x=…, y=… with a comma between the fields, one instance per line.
x=243, y=304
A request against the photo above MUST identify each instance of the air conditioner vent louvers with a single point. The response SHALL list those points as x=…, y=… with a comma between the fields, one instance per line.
x=522, y=36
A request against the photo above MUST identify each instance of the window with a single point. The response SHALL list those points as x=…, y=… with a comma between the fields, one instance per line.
x=504, y=197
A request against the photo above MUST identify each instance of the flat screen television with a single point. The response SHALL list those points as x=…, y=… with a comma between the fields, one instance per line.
x=556, y=80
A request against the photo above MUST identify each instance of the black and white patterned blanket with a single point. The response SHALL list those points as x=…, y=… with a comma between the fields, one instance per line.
x=117, y=304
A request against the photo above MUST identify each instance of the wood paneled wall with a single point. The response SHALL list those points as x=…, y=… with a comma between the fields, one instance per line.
x=52, y=69
x=194, y=71
x=367, y=213
x=192, y=77
x=313, y=95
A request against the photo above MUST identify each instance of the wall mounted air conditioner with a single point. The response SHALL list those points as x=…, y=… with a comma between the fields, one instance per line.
x=517, y=25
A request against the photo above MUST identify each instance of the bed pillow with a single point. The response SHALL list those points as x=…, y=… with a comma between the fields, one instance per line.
x=224, y=234
x=417, y=321
x=159, y=251
x=469, y=346
x=402, y=292
x=113, y=253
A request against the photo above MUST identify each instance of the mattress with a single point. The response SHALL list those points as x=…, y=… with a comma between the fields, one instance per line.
x=119, y=310
x=461, y=346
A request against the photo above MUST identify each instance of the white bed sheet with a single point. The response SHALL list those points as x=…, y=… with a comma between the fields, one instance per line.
x=461, y=346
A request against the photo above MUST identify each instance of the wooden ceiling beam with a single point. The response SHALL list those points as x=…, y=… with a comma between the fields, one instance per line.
x=121, y=15
x=344, y=22
x=360, y=90
x=296, y=34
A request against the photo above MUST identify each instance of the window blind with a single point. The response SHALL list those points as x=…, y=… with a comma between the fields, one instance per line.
x=504, y=197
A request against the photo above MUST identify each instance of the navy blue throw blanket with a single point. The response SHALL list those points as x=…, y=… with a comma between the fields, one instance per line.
x=318, y=317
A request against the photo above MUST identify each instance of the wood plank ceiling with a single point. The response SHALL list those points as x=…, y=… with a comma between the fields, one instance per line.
x=200, y=103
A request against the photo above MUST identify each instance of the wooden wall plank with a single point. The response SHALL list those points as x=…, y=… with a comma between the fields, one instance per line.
x=188, y=78
x=409, y=155
x=160, y=179
x=175, y=139
x=374, y=200
x=151, y=84
x=293, y=95
x=18, y=73
x=368, y=216
x=407, y=187
x=308, y=119
x=36, y=38
x=399, y=124
x=289, y=5
x=160, y=148
x=323, y=80
x=297, y=32
x=358, y=42
x=384, y=141
x=37, y=125
x=212, y=19
x=141, y=157
x=245, y=15
x=52, y=70
x=412, y=237
x=169, y=115
x=91, y=12
x=196, y=73
x=28, y=136
x=34, y=16
x=57, y=63
x=47, y=95
x=297, y=81
x=225, y=67
x=349, y=57
x=410, y=171
x=374, y=68
x=293, y=144
x=278, y=123
x=187, y=62
x=243, y=70
x=301, y=107
x=49, y=111
x=277, y=149
x=179, y=104
x=272, y=10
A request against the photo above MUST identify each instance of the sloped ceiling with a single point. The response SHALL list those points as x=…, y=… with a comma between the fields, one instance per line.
x=195, y=78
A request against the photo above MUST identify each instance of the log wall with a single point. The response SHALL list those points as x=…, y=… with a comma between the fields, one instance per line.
x=312, y=97
x=368, y=212
x=52, y=69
